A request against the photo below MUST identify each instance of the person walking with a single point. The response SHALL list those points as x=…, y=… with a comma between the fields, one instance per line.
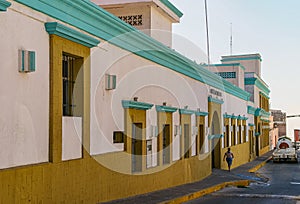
x=229, y=157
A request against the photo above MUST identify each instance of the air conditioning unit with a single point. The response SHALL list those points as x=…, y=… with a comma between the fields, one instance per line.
x=26, y=61
x=110, y=82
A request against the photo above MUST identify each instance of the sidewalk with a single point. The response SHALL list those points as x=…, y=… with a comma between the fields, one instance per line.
x=217, y=180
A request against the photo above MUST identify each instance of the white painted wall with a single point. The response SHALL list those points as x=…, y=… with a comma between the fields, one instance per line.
x=71, y=138
x=130, y=10
x=136, y=77
x=250, y=65
x=239, y=81
x=24, y=97
x=151, y=83
x=161, y=26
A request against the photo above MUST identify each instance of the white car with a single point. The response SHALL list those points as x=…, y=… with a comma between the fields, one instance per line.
x=284, y=151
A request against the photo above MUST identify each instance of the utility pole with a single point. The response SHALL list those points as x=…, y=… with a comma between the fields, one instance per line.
x=230, y=38
x=292, y=116
x=207, y=34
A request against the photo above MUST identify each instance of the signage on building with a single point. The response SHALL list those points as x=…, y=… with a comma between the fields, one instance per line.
x=215, y=92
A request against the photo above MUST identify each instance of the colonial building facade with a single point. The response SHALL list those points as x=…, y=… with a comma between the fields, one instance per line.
x=96, y=106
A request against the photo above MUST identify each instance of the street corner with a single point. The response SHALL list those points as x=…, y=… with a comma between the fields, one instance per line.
x=257, y=167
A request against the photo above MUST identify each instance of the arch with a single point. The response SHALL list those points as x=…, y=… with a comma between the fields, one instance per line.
x=215, y=141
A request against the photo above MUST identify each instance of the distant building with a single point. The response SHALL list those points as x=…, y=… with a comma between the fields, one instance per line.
x=279, y=118
x=273, y=133
x=244, y=71
x=296, y=135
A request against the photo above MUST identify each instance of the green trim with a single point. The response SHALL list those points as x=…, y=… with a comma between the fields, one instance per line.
x=241, y=58
x=261, y=112
x=251, y=124
x=4, y=5
x=234, y=117
x=31, y=61
x=136, y=105
x=91, y=18
x=172, y=8
x=227, y=116
x=242, y=118
x=23, y=61
x=199, y=113
x=259, y=84
x=243, y=67
x=215, y=100
x=251, y=110
x=210, y=137
x=71, y=34
x=167, y=109
x=186, y=111
x=264, y=95
x=257, y=134
x=265, y=120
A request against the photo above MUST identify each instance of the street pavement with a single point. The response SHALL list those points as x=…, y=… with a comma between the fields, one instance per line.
x=218, y=177
x=282, y=187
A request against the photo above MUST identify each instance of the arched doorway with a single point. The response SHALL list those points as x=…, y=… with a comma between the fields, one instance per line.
x=215, y=141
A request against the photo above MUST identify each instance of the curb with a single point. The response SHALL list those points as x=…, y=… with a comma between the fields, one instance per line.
x=217, y=187
x=206, y=191
x=254, y=169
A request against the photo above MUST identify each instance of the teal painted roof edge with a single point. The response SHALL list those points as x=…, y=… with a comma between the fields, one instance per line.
x=172, y=7
x=71, y=34
x=201, y=113
x=241, y=58
x=242, y=118
x=215, y=100
x=98, y=22
x=4, y=5
x=251, y=110
x=186, y=111
x=136, y=105
x=262, y=112
x=257, y=82
x=166, y=109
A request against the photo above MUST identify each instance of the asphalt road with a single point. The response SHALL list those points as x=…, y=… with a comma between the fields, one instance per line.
x=282, y=187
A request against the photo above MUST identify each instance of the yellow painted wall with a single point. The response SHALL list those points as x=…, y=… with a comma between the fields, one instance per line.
x=215, y=108
x=264, y=150
x=185, y=119
x=58, y=46
x=241, y=155
x=86, y=181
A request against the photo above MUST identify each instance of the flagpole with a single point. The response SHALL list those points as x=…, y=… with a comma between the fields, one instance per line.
x=207, y=34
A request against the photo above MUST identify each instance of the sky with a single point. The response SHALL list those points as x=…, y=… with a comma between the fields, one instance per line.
x=268, y=27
